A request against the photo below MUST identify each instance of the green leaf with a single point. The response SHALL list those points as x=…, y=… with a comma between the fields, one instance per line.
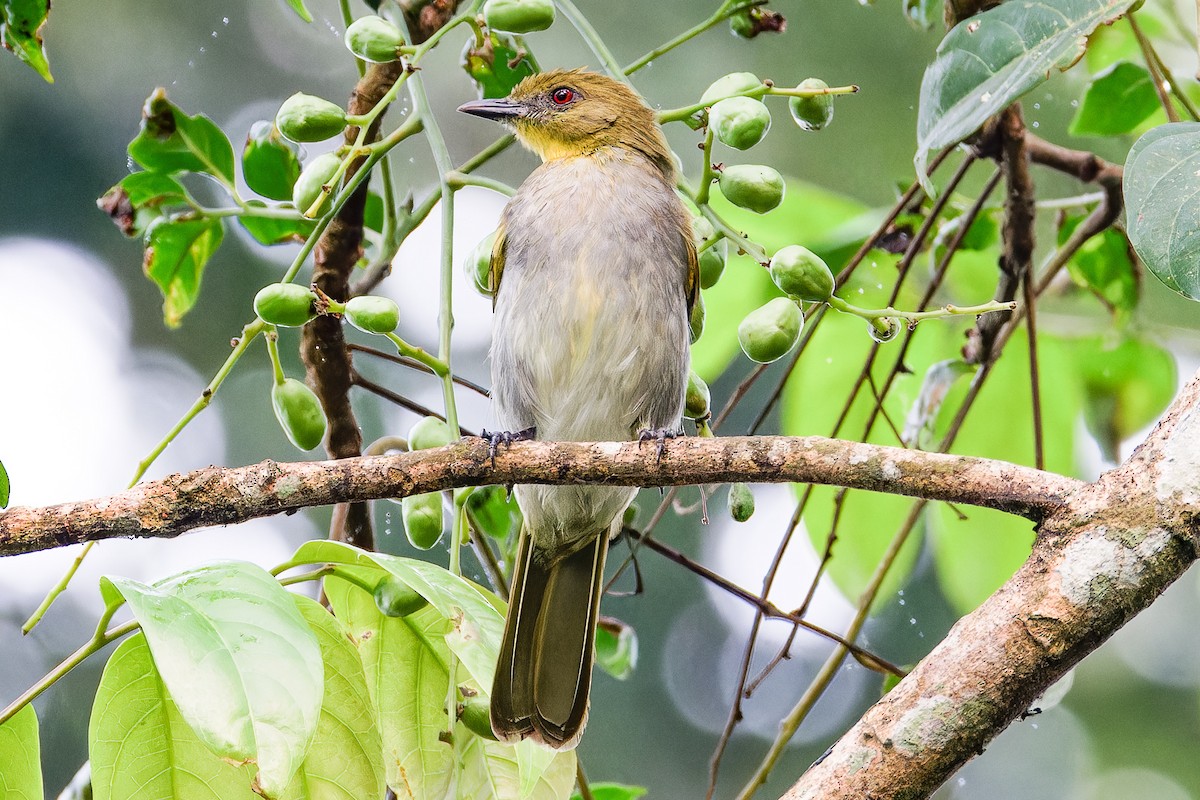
x=170, y=141
x=989, y=60
x=405, y=660
x=616, y=647
x=1104, y=264
x=1127, y=383
x=346, y=756
x=1162, y=201
x=21, y=25
x=974, y=556
x=269, y=162
x=273, y=230
x=301, y=11
x=4, y=486
x=373, y=213
x=137, y=202
x=499, y=771
x=498, y=66
x=494, y=511
x=20, y=757
x=176, y=253
x=239, y=660
x=1116, y=102
x=613, y=791
x=140, y=746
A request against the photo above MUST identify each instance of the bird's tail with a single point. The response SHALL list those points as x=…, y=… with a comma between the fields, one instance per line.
x=544, y=672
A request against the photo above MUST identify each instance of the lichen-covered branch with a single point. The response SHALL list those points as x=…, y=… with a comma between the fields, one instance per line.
x=1098, y=561
x=224, y=496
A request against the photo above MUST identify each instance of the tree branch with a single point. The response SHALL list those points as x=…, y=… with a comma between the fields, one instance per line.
x=1098, y=561
x=224, y=495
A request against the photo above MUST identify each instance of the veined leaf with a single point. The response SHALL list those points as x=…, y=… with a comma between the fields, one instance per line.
x=239, y=660
x=989, y=60
x=1162, y=201
x=176, y=252
x=20, y=757
x=170, y=141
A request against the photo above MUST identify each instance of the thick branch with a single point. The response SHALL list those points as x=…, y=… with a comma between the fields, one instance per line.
x=1099, y=560
x=224, y=496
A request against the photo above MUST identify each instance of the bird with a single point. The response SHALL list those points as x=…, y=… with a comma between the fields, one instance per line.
x=594, y=275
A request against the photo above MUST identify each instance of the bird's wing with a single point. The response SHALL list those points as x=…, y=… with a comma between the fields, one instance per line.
x=496, y=268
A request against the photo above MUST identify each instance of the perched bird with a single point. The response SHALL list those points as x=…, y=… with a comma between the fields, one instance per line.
x=594, y=273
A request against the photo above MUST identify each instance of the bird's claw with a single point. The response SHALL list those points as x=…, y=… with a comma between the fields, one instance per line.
x=658, y=435
x=506, y=438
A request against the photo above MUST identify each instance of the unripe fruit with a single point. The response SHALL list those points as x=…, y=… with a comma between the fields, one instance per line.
x=696, y=401
x=712, y=259
x=319, y=172
x=741, y=502
x=395, y=598
x=770, y=331
x=519, y=16
x=739, y=122
x=478, y=265
x=799, y=272
x=696, y=320
x=374, y=39
x=422, y=515
x=299, y=413
x=477, y=716
x=286, y=304
x=373, y=314
x=731, y=84
x=812, y=113
x=304, y=118
x=429, y=432
x=752, y=186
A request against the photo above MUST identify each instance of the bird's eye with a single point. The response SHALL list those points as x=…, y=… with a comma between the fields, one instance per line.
x=562, y=95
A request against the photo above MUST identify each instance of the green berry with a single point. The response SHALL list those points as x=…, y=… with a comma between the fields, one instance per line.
x=478, y=265
x=731, y=84
x=422, y=515
x=304, y=118
x=286, y=304
x=696, y=401
x=429, y=432
x=741, y=502
x=752, y=186
x=299, y=413
x=770, y=331
x=739, y=122
x=799, y=272
x=812, y=113
x=374, y=39
x=476, y=715
x=395, y=598
x=519, y=16
x=372, y=314
x=696, y=320
x=313, y=178
x=712, y=259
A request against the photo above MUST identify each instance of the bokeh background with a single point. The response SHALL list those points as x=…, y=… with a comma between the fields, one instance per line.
x=91, y=379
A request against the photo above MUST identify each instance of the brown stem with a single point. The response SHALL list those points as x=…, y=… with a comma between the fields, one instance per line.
x=229, y=495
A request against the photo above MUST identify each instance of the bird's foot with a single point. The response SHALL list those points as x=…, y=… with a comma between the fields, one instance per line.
x=506, y=438
x=659, y=435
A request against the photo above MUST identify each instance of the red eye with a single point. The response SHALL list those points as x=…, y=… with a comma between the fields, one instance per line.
x=562, y=95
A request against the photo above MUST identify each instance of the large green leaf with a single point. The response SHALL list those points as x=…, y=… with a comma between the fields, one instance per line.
x=989, y=60
x=176, y=253
x=973, y=556
x=20, y=757
x=1162, y=202
x=525, y=771
x=140, y=746
x=21, y=25
x=239, y=660
x=1117, y=101
x=171, y=141
x=405, y=662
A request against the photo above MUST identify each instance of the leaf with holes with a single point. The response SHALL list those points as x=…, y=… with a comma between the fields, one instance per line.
x=989, y=60
x=1162, y=202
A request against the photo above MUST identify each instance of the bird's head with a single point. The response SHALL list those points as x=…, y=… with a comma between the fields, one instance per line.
x=565, y=113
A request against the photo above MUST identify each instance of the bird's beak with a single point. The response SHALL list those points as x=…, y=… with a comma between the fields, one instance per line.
x=500, y=109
